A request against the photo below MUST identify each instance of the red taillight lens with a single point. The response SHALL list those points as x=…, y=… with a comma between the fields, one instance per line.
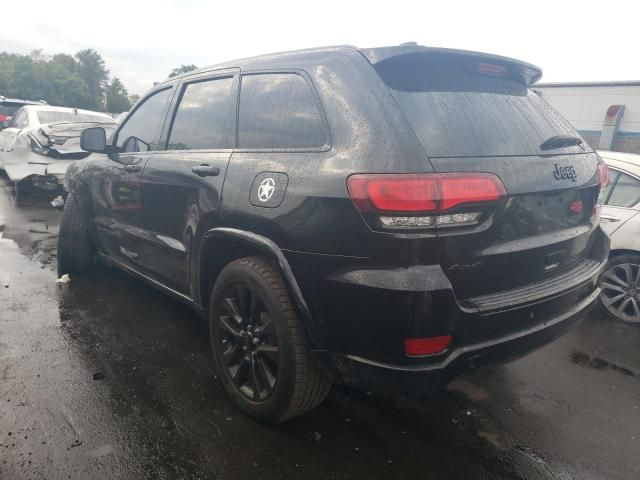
x=394, y=193
x=3, y=118
x=603, y=181
x=462, y=188
x=422, y=192
x=426, y=346
x=603, y=174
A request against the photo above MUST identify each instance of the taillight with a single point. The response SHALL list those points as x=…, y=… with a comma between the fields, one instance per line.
x=603, y=181
x=36, y=145
x=414, y=201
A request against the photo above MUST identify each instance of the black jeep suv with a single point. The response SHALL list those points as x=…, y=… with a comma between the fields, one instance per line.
x=385, y=218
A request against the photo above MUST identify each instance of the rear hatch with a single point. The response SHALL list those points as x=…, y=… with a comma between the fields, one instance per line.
x=475, y=113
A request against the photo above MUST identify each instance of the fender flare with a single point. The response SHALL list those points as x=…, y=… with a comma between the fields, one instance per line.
x=271, y=249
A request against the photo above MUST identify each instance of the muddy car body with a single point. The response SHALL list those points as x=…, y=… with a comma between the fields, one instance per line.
x=404, y=200
x=41, y=142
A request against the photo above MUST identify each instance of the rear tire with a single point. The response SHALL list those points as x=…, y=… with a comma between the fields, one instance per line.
x=260, y=349
x=75, y=247
x=620, y=283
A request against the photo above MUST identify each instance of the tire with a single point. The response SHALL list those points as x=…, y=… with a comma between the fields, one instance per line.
x=620, y=283
x=75, y=247
x=282, y=383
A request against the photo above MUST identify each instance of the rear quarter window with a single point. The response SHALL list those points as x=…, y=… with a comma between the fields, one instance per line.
x=458, y=111
x=279, y=111
x=625, y=192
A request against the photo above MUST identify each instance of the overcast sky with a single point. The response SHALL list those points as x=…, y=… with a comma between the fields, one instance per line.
x=142, y=41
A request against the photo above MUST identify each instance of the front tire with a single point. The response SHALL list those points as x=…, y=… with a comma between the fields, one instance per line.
x=260, y=349
x=620, y=283
x=75, y=247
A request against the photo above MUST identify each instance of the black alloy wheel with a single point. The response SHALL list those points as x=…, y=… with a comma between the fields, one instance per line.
x=261, y=350
x=248, y=342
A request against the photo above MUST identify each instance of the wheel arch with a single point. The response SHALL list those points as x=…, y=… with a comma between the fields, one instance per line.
x=231, y=244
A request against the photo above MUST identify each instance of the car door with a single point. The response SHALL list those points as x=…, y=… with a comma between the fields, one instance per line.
x=621, y=199
x=116, y=190
x=182, y=185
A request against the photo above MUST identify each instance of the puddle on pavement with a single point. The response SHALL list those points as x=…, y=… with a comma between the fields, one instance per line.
x=160, y=388
x=581, y=358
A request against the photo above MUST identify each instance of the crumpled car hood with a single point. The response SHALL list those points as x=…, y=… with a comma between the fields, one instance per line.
x=65, y=137
x=47, y=150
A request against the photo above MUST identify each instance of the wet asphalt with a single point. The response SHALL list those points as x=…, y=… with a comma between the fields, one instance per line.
x=105, y=377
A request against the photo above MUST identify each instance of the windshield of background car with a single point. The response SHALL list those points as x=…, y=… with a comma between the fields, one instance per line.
x=54, y=117
x=462, y=107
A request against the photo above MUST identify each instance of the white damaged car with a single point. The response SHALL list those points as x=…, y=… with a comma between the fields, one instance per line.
x=40, y=142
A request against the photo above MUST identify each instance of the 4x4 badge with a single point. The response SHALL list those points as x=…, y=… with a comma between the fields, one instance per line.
x=266, y=189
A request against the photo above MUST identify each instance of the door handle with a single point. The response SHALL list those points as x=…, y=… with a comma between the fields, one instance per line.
x=205, y=170
x=610, y=218
x=132, y=168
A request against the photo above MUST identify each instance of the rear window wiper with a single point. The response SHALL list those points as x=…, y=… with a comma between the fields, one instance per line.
x=560, y=141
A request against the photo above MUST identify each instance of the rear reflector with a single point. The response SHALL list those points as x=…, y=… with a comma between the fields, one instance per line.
x=576, y=207
x=430, y=193
x=426, y=346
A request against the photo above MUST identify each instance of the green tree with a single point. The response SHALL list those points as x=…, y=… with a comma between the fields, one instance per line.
x=92, y=70
x=133, y=98
x=182, y=69
x=64, y=86
x=24, y=80
x=61, y=79
x=117, y=97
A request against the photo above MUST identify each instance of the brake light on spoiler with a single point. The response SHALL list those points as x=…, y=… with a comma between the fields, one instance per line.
x=424, y=201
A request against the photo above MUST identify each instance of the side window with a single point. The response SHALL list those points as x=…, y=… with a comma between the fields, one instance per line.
x=613, y=177
x=20, y=119
x=206, y=116
x=625, y=192
x=278, y=110
x=141, y=128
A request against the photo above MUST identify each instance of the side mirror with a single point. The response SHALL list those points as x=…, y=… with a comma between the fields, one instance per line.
x=94, y=140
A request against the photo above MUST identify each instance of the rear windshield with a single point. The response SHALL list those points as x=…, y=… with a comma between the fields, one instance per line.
x=55, y=117
x=9, y=109
x=463, y=108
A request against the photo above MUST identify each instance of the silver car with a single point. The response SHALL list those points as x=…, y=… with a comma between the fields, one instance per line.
x=620, y=282
x=40, y=142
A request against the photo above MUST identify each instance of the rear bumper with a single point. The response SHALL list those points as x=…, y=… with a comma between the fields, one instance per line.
x=362, y=315
x=54, y=171
x=429, y=378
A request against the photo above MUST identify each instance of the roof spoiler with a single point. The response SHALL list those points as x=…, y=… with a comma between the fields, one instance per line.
x=527, y=72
